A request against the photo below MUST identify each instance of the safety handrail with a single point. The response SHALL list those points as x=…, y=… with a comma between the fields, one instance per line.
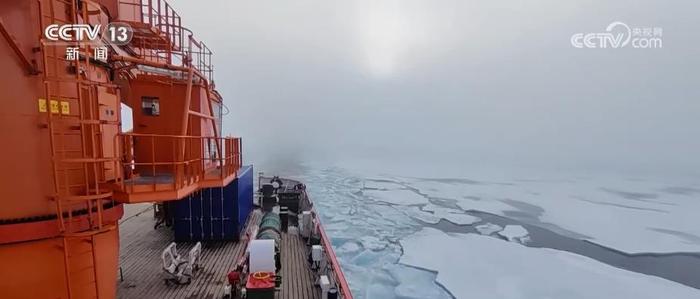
x=341, y=282
x=182, y=44
x=181, y=160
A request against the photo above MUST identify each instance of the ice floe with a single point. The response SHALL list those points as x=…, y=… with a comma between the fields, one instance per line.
x=415, y=283
x=488, y=228
x=373, y=243
x=632, y=216
x=515, y=233
x=381, y=184
x=416, y=213
x=459, y=218
x=476, y=266
x=398, y=197
x=348, y=247
x=455, y=216
x=350, y=211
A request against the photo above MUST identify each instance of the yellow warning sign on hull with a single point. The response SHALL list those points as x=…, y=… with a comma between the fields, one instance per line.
x=56, y=106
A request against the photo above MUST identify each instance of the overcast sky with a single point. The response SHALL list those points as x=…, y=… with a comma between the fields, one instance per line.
x=471, y=82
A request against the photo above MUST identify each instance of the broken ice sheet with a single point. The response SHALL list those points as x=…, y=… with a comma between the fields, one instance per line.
x=380, y=184
x=348, y=247
x=515, y=233
x=455, y=216
x=476, y=266
x=415, y=283
x=373, y=243
x=585, y=207
x=460, y=219
x=488, y=228
x=397, y=197
x=415, y=213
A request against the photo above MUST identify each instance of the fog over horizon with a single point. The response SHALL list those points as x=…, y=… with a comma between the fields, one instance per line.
x=468, y=83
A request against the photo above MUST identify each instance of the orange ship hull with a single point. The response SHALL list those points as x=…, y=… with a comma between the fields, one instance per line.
x=67, y=165
x=66, y=162
x=36, y=269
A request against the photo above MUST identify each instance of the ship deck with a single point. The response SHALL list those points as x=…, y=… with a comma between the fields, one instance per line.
x=141, y=246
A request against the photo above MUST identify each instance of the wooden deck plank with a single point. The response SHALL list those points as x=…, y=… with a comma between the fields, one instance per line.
x=293, y=265
x=286, y=286
x=291, y=284
x=297, y=277
x=141, y=246
x=213, y=260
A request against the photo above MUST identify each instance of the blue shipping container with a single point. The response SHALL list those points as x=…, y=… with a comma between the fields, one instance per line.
x=215, y=214
x=244, y=191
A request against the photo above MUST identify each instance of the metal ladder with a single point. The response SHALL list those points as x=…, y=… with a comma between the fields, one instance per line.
x=71, y=106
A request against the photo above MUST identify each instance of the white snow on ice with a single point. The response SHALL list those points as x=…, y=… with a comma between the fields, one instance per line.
x=476, y=266
x=373, y=243
x=633, y=216
x=348, y=247
x=412, y=283
x=488, y=228
x=515, y=233
x=622, y=220
x=416, y=213
x=461, y=219
x=452, y=215
x=397, y=197
x=381, y=184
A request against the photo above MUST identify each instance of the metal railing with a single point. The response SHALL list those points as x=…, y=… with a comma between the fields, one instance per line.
x=171, y=162
x=333, y=269
x=159, y=15
x=180, y=47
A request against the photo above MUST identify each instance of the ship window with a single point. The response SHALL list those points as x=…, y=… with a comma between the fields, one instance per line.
x=150, y=106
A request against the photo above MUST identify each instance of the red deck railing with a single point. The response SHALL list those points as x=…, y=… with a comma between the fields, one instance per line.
x=341, y=282
x=160, y=164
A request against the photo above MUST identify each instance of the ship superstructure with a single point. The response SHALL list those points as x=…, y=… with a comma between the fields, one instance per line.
x=68, y=165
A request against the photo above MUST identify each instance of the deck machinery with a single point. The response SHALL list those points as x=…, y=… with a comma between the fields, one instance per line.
x=68, y=166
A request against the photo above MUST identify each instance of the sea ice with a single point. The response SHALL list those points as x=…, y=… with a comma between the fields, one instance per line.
x=476, y=266
x=348, y=247
x=366, y=257
x=379, y=290
x=515, y=233
x=439, y=209
x=372, y=243
x=460, y=219
x=381, y=184
x=633, y=216
x=455, y=216
x=369, y=282
x=488, y=228
x=398, y=197
x=415, y=283
x=365, y=233
x=416, y=213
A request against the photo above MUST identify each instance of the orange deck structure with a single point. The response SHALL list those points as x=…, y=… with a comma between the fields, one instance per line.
x=67, y=165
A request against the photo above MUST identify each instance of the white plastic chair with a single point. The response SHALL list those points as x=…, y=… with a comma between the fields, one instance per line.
x=192, y=263
x=171, y=259
x=180, y=270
